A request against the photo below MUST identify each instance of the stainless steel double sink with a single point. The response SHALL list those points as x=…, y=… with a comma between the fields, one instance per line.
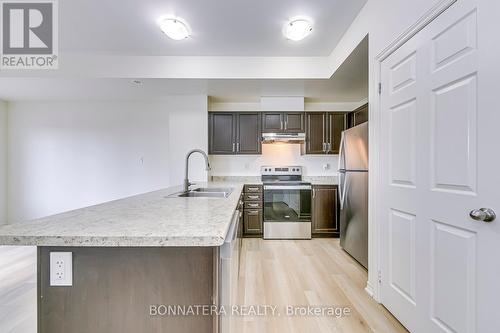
x=204, y=192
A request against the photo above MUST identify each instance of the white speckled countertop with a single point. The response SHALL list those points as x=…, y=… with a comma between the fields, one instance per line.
x=144, y=220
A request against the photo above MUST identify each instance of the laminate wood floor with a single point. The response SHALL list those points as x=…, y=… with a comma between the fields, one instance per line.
x=18, y=289
x=315, y=273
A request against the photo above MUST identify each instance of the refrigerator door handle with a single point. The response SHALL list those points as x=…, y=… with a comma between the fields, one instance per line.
x=342, y=183
x=342, y=152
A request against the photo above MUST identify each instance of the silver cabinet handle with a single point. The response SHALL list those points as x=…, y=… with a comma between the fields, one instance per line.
x=234, y=147
x=253, y=212
x=324, y=147
x=286, y=124
x=253, y=205
x=238, y=146
x=314, y=192
x=253, y=196
x=483, y=214
x=254, y=189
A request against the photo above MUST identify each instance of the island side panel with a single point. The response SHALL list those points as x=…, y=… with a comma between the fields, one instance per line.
x=113, y=289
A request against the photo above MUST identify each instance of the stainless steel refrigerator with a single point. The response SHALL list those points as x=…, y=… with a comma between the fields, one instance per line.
x=353, y=192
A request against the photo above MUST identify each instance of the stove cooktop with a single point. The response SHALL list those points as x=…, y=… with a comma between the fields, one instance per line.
x=285, y=182
x=283, y=175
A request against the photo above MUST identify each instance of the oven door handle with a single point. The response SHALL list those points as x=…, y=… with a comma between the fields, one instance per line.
x=278, y=187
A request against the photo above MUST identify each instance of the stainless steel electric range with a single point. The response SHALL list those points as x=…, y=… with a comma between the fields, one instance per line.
x=287, y=203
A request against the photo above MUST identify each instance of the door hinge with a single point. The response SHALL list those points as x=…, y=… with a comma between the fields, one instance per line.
x=380, y=88
x=379, y=276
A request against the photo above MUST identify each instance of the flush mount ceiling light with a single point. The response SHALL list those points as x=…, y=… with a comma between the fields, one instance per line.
x=297, y=29
x=174, y=28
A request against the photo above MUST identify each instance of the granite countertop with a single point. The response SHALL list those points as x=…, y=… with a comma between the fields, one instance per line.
x=143, y=220
x=322, y=180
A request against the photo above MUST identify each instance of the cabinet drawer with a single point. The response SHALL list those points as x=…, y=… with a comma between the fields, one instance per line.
x=253, y=189
x=253, y=197
x=253, y=205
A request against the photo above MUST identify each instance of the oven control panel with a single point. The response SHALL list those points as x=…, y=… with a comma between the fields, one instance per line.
x=281, y=170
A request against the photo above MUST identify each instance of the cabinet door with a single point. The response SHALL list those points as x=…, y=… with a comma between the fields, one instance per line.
x=337, y=122
x=253, y=221
x=249, y=133
x=221, y=133
x=358, y=116
x=324, y=212
x=294, y=122
x=272, y=122
x=315, y=133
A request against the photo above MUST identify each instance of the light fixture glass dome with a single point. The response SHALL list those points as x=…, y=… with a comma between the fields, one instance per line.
x=174, y=28
x=297, y=29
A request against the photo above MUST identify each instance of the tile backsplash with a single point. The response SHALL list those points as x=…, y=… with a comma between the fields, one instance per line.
x=273, y=154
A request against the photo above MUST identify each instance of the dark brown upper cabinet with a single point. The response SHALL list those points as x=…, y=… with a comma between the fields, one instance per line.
x=323, y=132
x=337, y=122
x=358, y=116
x=231, y=133
x=279, y=122
x=248, y=133
x=272, y=122
x=325, y=216
x=293, y=121
x=222, y=133
x=315, y=133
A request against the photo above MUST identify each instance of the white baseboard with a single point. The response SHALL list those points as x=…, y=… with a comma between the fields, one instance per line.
x=369, y=290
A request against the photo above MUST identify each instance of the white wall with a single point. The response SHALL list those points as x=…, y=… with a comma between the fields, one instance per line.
x=3, y=162
x=383, y=20
x=273, y=154
x=188, y=130
x=67, y=155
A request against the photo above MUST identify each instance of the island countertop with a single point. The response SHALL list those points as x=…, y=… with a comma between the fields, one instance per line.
x=146, y=220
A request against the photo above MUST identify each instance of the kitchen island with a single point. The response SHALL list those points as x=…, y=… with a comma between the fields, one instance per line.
x=129, y=257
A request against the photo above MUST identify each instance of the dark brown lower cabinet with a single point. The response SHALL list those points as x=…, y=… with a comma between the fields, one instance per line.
x=253, y=225
x=325, y=217
x=253, y=222
x=116, y=289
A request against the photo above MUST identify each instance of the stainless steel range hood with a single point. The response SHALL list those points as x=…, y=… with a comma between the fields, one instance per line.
x=283, y=137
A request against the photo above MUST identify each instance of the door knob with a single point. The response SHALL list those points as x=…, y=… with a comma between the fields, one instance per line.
x=483, y=214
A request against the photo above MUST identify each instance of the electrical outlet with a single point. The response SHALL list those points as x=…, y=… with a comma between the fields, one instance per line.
x=61, y=268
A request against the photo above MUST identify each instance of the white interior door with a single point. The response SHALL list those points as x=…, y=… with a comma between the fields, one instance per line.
x=439, y=156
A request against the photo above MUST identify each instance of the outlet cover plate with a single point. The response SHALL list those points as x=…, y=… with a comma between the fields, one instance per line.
x=61, y=269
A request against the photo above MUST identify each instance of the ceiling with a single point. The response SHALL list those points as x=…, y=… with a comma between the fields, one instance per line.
x=348, y=84
x=219, y=27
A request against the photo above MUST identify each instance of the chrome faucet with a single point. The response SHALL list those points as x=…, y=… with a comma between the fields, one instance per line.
x=207, y=165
